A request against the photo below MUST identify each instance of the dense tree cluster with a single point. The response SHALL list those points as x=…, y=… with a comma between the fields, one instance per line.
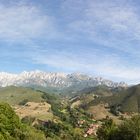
x=129, y=130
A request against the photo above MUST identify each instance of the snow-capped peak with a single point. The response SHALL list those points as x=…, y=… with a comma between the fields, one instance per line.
x=50, y=79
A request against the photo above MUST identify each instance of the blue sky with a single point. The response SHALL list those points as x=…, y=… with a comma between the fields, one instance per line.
x=96, y=37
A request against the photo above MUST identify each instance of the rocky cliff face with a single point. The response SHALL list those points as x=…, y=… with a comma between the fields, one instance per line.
x=56, y=80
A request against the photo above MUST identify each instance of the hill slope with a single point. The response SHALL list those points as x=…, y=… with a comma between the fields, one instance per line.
x=15, y=95
x=128, y=99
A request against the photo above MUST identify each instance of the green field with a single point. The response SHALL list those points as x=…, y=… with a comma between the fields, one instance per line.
x=15, y=95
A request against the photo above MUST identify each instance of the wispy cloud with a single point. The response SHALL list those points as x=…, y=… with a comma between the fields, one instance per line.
x=23, y=22
x=113, y=24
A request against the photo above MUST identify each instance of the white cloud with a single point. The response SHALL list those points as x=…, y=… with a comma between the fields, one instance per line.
x=22, y=21
x=116, y=18
x=114, y=24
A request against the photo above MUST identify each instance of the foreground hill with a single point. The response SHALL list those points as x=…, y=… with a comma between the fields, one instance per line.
x=49, y=113
x=63, y=117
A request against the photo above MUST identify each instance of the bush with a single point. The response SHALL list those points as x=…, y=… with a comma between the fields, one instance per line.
x=11, y=127
x=129, y=130
x=107, y=130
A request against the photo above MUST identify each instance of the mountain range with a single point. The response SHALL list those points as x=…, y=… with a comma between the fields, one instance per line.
x=58, y=81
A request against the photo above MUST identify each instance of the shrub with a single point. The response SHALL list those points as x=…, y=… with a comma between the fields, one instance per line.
x=11, y=127
x=129, y=130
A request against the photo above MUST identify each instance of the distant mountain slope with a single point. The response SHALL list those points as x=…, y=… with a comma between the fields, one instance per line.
x=128, y=99
x=58, y=82
x=100, y=90
x=131, y=102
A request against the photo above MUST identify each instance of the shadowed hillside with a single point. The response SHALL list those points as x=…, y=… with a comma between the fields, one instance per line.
x=127, y=99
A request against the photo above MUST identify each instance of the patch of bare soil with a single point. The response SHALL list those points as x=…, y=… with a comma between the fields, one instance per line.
x=40, y=111
x=76, y=104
